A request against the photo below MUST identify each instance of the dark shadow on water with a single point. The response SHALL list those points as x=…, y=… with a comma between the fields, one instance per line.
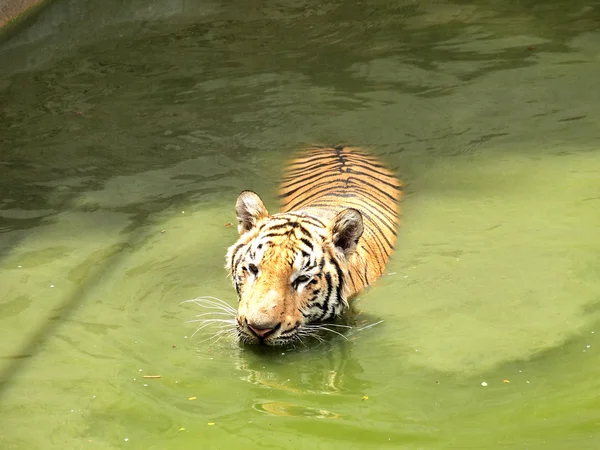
x=99, y=265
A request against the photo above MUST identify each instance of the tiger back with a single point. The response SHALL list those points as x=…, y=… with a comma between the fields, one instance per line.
x=327, y=180
x=297, y=268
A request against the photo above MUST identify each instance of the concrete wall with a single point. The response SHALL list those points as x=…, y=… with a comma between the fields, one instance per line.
x=64, y=25
x=13, y=9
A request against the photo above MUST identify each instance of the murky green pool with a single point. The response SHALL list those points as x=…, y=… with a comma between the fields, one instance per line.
x=127, y=130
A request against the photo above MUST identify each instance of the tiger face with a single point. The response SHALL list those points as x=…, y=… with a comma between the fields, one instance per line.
x=289, y=269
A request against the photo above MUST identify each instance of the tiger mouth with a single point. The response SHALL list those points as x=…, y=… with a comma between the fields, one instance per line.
x=301, y=334
x=271, y=338
x=266, y=335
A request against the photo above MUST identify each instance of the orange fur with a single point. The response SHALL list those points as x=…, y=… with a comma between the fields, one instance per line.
x=333, y=237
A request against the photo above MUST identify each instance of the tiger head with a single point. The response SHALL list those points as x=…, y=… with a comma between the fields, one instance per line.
x=289, y=270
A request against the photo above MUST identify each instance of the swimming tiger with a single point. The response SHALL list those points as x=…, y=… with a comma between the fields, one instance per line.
x=333, y=237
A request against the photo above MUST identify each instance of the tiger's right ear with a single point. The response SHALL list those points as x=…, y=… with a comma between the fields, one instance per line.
x=249, y=209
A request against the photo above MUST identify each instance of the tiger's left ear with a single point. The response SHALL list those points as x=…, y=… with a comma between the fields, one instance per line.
x=345, y=230
x=249, y=209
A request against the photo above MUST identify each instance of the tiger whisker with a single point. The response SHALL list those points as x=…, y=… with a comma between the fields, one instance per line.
x=223, y=329
x=317, y=337
x=369, y=326
x=209, y=305
x=229, y=321
x=197, y=329
x=211, y=298
x=309, y=333
x=218, y=338
x=203, y=326
x=324, y=327
x=299, y=338
x=333, y=325
x=213, y=302
x=218, y=309
x=216, y=313
x=219, y=334
x=223, y=324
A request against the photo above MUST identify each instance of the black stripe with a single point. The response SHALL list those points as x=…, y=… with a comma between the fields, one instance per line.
x=314, y=181
x=279, y=226
x=380, y=261
x=352, y=279
x=311, y=159
x=373, y=177
x=313, y=195
x=376, y=226
x=366, y=212
x=307, y=243
x=338, y=154
x=325, y=306
x=341, y=281
x=313, y=221
x=315, y=297
x=369, y=163
x=241, y=255
x=294, y=217
x=311, y=177
x=350, y=179
x=292, y=225
x=372, y=162
x=367, y=194
x=271, y=223
x=338, y=187
x=367, y=209
x=292, y=174
x=354, y=287
x=272, y=235
x=387, y=219
x=234, y=253
x=379, y=245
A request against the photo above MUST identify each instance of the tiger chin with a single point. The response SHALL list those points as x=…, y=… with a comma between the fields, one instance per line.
x=333, y=237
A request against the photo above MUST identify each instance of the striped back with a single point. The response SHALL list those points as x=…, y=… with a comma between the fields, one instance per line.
x=324, y=181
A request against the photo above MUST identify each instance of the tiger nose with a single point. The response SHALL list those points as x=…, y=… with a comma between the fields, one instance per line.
x=261, y=329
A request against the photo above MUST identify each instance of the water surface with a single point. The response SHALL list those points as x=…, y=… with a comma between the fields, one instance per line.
x=126, y=133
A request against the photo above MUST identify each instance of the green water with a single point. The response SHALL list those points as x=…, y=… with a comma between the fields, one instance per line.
x=127, y=130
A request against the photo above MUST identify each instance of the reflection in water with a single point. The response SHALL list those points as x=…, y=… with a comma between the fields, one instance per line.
x=286, y=409
x=325, y=369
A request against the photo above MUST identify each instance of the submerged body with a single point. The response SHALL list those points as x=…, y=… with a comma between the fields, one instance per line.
x=333, y=238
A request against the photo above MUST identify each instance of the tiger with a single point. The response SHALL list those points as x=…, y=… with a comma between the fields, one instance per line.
x=333, y=237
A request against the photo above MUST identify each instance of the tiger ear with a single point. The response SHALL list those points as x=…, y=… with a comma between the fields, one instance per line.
x=345, y=230
x=249, y=209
